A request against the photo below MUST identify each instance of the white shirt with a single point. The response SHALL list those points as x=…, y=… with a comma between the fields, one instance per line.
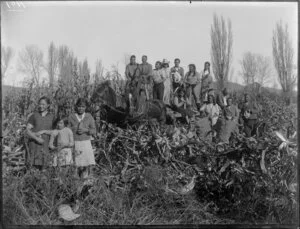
x=225, y=100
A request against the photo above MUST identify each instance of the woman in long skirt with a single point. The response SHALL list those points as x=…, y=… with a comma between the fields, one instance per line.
x=39, y=129
x=167, y=82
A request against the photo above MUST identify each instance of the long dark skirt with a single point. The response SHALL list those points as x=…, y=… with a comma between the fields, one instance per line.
x=39, y=155
x=158, y=91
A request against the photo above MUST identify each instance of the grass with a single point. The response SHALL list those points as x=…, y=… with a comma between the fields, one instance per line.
x=32, y=199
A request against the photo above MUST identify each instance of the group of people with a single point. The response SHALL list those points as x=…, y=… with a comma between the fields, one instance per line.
x=165, y=82
x=189, y=94
x=51, y=140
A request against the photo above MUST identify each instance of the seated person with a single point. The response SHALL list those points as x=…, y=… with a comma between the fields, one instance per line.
x=182, y=104
x=222, y=98
x=141, y=101
x=203, y=126
x=234, y=110
x=211, y=109
x=227, y=126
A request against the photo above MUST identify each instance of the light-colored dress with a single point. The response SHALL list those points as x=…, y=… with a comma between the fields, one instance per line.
x=84, y=154
x=62, y=137
x=206, y=80
x=213, y=111
x=167, y=84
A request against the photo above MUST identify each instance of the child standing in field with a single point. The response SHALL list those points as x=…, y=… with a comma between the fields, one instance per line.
x=83, y=127
x=62, y=142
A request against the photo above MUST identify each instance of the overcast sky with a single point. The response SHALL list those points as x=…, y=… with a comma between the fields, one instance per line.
x=108, y=30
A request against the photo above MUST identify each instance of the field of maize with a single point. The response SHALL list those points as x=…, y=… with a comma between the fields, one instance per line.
x=161, y=175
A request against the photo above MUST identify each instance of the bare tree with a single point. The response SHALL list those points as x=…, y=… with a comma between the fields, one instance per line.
x=221, y=49
x=31, y=62
x=63, y=54
x=263, y=70
x=84, y=71
x=231, y=75
x=249, y=68
x=67, y=64
x=99, y=71
x=52, y=64
x=6, y=55
x=283, y=54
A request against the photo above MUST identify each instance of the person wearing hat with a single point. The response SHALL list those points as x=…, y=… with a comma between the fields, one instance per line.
x=145, y=70
x=158, y=82
x=206, y=81
x=222, y=98
x=192, y=83
x=167, y=81
x=177, y=74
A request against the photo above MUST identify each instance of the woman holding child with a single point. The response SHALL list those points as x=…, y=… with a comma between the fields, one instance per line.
x=39, y=129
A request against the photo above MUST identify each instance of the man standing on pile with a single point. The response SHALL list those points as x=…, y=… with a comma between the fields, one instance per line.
x=177, y=74
x=206, y=81
x=145, y=75
x=132, y=74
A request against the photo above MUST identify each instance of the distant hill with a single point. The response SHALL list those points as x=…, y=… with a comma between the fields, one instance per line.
x=231, y=86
